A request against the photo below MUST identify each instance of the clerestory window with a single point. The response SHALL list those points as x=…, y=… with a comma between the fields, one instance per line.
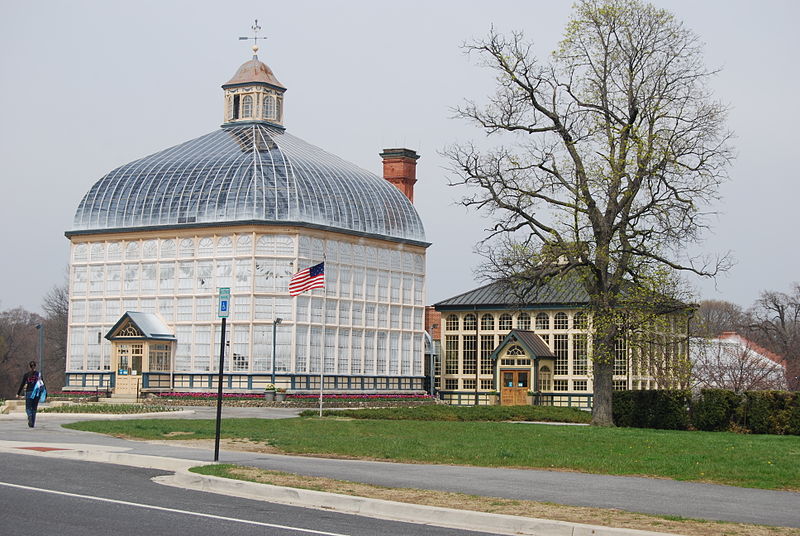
x=247, y=106
x=269, y=107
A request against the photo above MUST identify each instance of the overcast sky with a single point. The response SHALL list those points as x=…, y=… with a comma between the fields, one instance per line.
x=89, y=86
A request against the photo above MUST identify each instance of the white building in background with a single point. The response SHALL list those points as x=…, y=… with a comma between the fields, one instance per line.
x=244, y=207
x=731, y=361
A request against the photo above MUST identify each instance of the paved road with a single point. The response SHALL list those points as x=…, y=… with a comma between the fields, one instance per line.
x=654, y=496
x=75, y=498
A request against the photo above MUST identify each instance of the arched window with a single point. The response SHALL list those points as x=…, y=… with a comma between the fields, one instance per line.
x=545, y=377
x=542, y=321
x=524, y=321
x=579, y=321
x=451, y=323
x=269, y=107
x=561, y=321
x=470, y=322
x=81, y=252
x=487, y=322
x=515, y=350
x=247, y=106
x=505, y=322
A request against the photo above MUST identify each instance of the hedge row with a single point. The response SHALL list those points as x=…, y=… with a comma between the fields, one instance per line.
x=758, y=412
x=666, y=410
x=446, y=412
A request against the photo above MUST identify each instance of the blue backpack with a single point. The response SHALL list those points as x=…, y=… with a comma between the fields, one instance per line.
x=39, y=390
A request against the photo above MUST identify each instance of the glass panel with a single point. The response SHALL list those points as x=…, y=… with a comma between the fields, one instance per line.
x=249, y=173
x=522, y=379
x=508, y=379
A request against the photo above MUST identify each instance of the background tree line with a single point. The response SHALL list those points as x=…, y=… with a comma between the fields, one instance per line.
x=772, y=322
x=19, y=342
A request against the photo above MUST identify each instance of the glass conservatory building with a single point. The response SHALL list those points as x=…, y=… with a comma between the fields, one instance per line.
x=244, y=208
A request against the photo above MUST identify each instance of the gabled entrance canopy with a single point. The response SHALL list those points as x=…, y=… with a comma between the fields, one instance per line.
x=533, y=344
x=142, y=344
x=141, y=326
x=516, y=362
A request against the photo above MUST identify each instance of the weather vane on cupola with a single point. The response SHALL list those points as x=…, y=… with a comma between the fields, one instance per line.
x=256, y=28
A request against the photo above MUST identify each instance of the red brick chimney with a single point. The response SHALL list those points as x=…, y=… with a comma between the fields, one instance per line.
x=400, y=168
x=433, y=323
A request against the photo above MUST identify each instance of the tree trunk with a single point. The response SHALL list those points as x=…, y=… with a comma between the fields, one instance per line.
x=793, y=374
x=602, y=405
x=603, y=355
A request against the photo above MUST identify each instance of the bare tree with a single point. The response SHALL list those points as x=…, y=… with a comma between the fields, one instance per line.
x=606, y=158
x=56, y=308
x=18, y=343
x=734, y=364
x=716, y=316
x=776, y=325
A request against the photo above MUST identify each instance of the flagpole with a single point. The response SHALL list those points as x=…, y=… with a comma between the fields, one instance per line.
x=324, y=334
x=304, y=281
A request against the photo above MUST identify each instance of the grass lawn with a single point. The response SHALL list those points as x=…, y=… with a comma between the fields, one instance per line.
x=759, y=461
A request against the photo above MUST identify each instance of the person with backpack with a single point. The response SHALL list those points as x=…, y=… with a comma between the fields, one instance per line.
x=31, y=387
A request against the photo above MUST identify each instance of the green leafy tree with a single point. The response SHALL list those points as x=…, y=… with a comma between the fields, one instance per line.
x=606, y=158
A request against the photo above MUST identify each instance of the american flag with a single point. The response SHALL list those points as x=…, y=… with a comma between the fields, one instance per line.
x=307, y=279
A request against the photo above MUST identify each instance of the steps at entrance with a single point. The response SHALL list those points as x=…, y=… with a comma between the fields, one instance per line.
x=13, y=406
x=118, y=398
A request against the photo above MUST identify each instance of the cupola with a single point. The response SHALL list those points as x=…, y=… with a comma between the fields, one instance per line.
x=254, y=95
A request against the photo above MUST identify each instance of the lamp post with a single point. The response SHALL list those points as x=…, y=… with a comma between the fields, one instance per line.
x=274, y=329
x=40, y=328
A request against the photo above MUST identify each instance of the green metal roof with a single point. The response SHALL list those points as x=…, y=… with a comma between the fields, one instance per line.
x=530, y=342
x=563, y=291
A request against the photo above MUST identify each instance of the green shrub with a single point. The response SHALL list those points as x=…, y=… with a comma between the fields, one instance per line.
x=793, y=425
x=714, y=410
x=666, y=410
x=624, y=408
x=671, y=410
x=770, y=412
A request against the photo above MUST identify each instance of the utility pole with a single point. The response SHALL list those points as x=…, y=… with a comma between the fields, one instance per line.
x=40, y=328
x=274, y=330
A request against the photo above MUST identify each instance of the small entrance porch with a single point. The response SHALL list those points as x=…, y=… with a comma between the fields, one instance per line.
x=517, y=361
x=140, y=343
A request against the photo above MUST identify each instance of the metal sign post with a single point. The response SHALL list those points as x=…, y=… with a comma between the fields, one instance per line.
x=222, y=312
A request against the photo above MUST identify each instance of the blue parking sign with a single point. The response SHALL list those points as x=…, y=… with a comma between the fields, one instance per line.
x=224, y=302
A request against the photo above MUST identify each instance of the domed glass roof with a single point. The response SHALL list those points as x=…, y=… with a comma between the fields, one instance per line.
x=253, y=173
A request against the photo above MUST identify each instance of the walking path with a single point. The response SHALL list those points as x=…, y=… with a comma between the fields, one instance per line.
x=645, y=495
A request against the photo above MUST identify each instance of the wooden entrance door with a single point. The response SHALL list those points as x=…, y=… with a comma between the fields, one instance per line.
x=514, y=387
x=128, y=367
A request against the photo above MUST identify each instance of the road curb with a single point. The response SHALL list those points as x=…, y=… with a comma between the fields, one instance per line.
x=396, y=511
x=346, y=504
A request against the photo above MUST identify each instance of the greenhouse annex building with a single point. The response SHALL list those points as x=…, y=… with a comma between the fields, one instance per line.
x=244, y=207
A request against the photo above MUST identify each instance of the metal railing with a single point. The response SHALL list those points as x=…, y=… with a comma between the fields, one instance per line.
x=563, y=400
x=467, y=398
